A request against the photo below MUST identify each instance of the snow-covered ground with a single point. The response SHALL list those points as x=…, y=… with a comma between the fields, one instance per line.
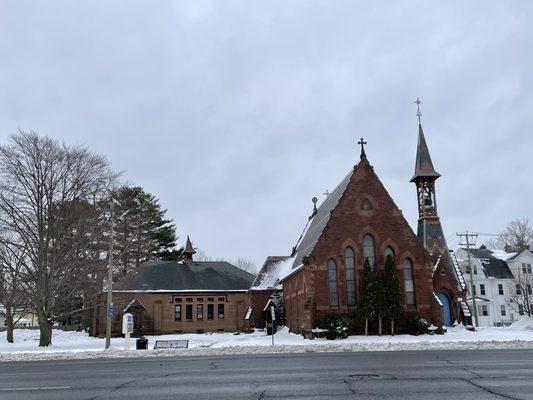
x=79, y=345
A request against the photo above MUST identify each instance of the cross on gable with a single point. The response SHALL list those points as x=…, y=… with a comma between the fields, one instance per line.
x=362, y=142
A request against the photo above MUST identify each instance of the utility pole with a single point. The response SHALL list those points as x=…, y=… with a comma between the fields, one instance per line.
x=467, y=243
x=109, y=279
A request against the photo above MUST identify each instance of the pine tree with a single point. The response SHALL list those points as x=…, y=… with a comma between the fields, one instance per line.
x=381, y=301
x=367, y=298
x=141, y=230
x=393, y=298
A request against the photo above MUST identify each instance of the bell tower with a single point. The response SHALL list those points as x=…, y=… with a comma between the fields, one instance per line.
x=429, y=227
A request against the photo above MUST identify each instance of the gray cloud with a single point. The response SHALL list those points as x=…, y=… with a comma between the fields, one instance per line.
x=236, y=113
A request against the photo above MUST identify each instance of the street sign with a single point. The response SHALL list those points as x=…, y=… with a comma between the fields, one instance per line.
x=110, y=311
x=127, y=328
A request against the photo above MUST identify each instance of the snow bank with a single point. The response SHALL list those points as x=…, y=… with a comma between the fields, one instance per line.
x=77, y=345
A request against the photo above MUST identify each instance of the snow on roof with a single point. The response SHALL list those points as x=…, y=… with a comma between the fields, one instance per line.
x=503, y=255
x=458, y=273
x=437, y=297
x=272, y=273
x=436, y=265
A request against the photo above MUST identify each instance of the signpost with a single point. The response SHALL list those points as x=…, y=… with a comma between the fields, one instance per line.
x=127, y=328
x=273, y=313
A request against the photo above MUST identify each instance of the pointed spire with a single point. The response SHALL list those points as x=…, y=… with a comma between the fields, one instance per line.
x=188, y=251
x=423, y=165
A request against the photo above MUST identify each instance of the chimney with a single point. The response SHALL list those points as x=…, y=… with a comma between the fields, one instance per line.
x=188, y=252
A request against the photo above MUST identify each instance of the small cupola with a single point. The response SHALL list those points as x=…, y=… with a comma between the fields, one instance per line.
x=188, y=252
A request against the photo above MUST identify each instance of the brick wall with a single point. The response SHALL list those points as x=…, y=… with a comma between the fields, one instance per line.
x=160, y=317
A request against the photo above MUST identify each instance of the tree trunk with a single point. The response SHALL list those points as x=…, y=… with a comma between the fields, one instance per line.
x=366, y=327
x=392, y=327
x=380, y=323
x=10, y=326
x=45, y=328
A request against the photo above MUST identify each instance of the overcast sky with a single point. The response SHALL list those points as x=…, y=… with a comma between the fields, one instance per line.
x=235, y=114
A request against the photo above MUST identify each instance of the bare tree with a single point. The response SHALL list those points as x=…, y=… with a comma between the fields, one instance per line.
x=517, y=236
x=42, y=184
x=12, y=296
x=246, y=265
x=520, y=295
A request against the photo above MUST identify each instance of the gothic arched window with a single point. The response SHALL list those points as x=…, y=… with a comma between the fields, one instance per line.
x=349, y=261
x=389, y=251
x=409, y=283
x=332, y=283
x=368, y=250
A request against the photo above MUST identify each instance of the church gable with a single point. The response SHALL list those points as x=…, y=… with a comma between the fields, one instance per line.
x=366, y=208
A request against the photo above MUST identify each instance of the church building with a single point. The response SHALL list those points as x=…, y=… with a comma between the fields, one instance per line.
x=359, y=221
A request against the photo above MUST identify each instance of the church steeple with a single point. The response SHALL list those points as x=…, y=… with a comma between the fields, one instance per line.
x=429, y=228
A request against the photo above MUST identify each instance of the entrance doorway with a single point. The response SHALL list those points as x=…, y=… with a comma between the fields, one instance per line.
x=446, y=308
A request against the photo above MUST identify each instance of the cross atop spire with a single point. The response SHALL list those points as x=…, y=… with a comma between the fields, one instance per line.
x=362, y=142
x=419, y=113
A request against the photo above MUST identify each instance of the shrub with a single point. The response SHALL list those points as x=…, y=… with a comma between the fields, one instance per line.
x=335, y=324
x=416, y=325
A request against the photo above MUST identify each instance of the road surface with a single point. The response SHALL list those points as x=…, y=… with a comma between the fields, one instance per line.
x=496, y=374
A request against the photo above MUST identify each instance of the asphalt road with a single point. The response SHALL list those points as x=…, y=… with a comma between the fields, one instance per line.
x=497, y=374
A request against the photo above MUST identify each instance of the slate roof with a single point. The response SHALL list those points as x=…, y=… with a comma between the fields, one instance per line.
x=492, y=266
x=269, y=276
x=315, y=227
x=198, y=275
x=423, y=165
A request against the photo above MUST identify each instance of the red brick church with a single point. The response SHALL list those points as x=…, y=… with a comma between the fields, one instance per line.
x=357, y=221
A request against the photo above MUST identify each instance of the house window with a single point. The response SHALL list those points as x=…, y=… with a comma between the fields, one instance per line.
x=210, y=311
x=467, y=270
x=529, y=291
x=500, y=289
x=475, y=270
x=177, y=311
x=368, y=250
x=221, y=299
x=189, y=299
x=484, y=311
x=524, y=268
x=502, y=310
x=482, y=289
x=220, y=311
x=389, y=251
x=409, y=283
x=188, y=312
x=332, y=283
x=210, y=299
x=199, y=311
x=475, y=291
x=518, y=289
x=520, y=309
x=529, y=268
x=349, y=259
x=177, y=299
x=199, y=299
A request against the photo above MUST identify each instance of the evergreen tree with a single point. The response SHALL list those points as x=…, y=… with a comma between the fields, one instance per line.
x=381, y=301
x=141, y=230
x=393, y=298
x=367, y=299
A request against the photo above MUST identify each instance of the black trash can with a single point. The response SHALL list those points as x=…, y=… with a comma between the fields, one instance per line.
x=142, y=343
